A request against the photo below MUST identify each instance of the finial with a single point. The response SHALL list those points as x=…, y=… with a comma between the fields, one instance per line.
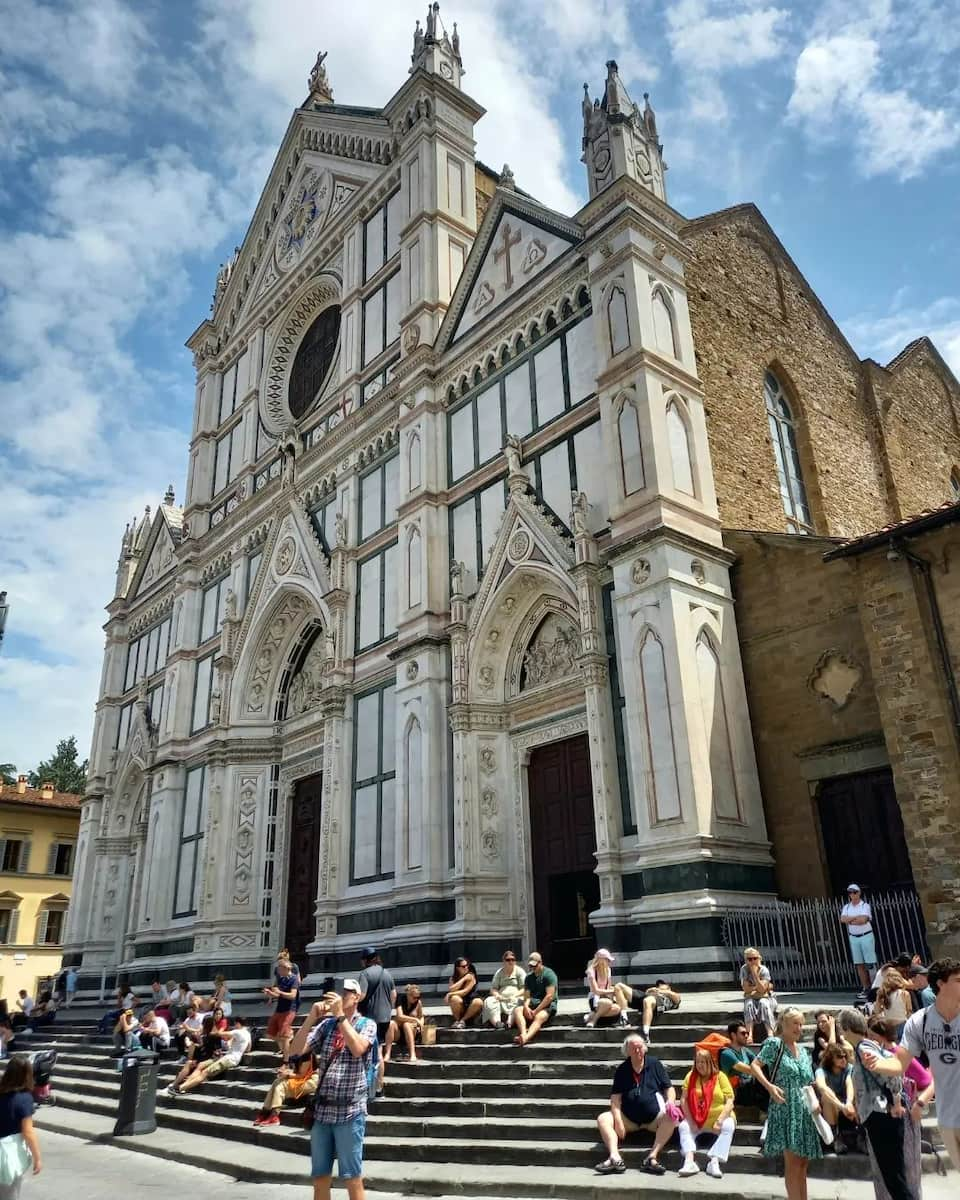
x=649, y=116
x=169, y=496
x=318, y=83
x=456, y=40
x=432, y=10
x=506, y=178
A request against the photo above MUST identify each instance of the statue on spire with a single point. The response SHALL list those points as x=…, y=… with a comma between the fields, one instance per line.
x=417, y=43
x=318, y=83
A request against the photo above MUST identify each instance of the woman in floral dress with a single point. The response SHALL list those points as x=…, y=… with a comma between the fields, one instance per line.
x=790, y=1128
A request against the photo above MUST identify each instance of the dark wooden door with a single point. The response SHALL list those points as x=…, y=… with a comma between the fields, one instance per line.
x=303, y=866
x=863, y=832
x=563, y=845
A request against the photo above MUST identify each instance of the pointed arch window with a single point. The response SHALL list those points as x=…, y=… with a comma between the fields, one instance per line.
x=414, y=567
x=955, y=484
x=783, y=437
x=713, y=705
x=662, y=783
x=664, y=326
x=413, y=794
x=618, y=323
x=631, y=450
x=414, y=464
x=679, y=440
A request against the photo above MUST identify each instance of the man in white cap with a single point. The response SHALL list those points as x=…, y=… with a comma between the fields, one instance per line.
x=342, y=1042
x=857, y=917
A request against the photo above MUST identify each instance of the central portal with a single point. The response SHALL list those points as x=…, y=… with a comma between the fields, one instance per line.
x=303, y=866
x=563, y=839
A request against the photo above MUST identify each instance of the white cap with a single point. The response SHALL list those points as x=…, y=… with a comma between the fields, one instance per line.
x=854, y=887
x=351, y=985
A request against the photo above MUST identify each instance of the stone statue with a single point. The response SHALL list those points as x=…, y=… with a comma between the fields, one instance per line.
x=288, y=444
x=215, y=707
x=339, y=529
x=456, y=578
x=456, y=41
x=649, y=117
x=230, y=605
x=417, y=42
x=587, y=107
x=511, y=448
x=318, y=83
x=578, y=513
x=506, y=178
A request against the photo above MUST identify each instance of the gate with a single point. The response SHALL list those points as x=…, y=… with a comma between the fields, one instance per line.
x=806, y=947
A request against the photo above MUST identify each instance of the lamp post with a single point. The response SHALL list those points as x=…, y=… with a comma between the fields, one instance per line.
x=4, y=609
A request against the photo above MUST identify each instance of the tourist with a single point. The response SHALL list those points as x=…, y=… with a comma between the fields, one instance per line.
x=880, y=1108
x=220, y=1022
x=209, y=1046
x=857, y=917
x=642, y=1097
x=180, y=1000
x=833, y=1080
x=893, y=1001
x=783, y=1068
x=918, y=1091
x=71, y=985
x=235, y=1044
x=506, y=992
x=461, y=997
x=661, y=998
x=154, y=1032
x=286, y=994
x=26, y=1005
x=16, y=1121
x=221, y=997
x=824, y=1035
x=540, y=997
x=125, y=1032
x=407, y=1023
x=935, y=1032
x=343, y=1043
x=189, y=1032
x=158, y=994
x=707, y=1104
x=759, y=1002
x=605, y=998
x=130, y=999
x=921, y=993
x=296, y=1080
x=734, y=1061
x=378, y=999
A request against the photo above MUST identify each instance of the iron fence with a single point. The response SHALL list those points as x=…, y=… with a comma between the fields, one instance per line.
x=805, y=946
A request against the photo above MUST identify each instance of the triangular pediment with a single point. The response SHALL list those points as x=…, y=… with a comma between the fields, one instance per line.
x=157, y=560
x=528, y=538
x=518, y=241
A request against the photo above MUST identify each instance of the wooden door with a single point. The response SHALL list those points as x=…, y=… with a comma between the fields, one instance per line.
x=303, y=867
x=563, y=845
x=863, y=835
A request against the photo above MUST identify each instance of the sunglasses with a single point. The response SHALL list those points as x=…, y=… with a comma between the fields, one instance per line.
x=509, y=958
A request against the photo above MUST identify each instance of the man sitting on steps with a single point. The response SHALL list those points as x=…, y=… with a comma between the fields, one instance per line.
x=642, y=1097
x=539, y=1002
x=236, y=1044
x=661, y=998
x=295, y=1081
x=735, y=1061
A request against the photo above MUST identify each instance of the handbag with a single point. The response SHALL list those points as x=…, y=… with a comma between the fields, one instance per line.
x=812, y=1105
x=428, y=1034
x=15, y=1158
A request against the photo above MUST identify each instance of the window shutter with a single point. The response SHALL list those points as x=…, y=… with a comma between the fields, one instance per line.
x=3, y=851
x=52, y=858
x=42, y=920
x=24, y=857
x=14, y=925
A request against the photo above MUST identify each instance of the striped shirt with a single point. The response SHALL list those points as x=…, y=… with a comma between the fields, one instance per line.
x=342, y=1090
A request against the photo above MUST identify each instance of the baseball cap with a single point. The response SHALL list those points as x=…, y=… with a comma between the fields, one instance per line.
x=534, y=960
x=351, y=985
x=605, y=954
x=369, y=952
x=854, y=887
x=919, y=969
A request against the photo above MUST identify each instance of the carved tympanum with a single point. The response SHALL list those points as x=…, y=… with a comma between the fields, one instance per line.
x=552, y=652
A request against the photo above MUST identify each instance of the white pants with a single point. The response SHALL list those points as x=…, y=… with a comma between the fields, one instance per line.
x=495, y=1010
x=720, y=1148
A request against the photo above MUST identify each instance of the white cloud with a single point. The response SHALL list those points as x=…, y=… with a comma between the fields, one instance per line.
x=883, y=335
x=831, y=73
x=724, y=35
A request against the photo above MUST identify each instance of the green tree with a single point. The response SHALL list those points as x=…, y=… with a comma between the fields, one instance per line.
x=8, y=772
x=62, y=770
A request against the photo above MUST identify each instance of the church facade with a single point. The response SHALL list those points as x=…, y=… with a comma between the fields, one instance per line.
x=440, y=651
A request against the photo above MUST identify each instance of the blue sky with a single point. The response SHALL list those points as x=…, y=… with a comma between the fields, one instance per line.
x=135, y=138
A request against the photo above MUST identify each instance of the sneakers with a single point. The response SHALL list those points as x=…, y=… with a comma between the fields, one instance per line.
x=624, y=1020
x=458, y=1025
x=611, y=1166
x=270, y=1118
x=713, y=1169
x=690, y=1168
x=586, y=1021
x=172, y=1092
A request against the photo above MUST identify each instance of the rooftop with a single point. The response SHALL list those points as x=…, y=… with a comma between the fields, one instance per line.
x=42, y=797
x=931, y=518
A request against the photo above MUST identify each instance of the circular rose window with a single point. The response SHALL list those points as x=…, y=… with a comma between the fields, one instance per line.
x=311, y=367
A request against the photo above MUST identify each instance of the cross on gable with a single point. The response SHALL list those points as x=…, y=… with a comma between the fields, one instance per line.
x=510, y=239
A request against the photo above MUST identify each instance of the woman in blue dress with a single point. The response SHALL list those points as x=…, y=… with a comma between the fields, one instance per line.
x=783, y=1067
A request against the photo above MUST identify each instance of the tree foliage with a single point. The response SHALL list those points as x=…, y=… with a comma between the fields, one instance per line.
x=8, y=772
x=62, y=770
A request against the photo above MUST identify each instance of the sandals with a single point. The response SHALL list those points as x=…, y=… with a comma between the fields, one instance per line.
x=653, y=1167
x=611, y=1166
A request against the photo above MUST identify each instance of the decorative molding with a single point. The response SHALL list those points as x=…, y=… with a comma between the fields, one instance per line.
x=273, y=398
x=835, y=678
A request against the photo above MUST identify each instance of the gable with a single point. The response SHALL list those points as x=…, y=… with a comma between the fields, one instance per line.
x=157, y=561
x=516, y=244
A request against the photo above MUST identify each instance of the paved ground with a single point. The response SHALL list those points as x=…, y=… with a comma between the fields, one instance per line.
x=75, y=1169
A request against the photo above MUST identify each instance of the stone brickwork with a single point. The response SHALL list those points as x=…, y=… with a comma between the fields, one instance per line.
x=796, y=615
x=921, y=736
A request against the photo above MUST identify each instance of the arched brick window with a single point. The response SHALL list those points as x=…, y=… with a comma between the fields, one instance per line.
x=783, y=437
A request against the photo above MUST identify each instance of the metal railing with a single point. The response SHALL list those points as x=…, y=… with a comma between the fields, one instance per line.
x=806, y=947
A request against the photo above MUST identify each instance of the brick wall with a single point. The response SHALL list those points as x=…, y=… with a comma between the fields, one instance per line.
x=792, y=608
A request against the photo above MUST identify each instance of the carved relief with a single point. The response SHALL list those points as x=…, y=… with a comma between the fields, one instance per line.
x=835, y=678
x=697, y=571
x=244, y=841
x=485, y=678
x=413, y=670
x=519, y=546
x=411, y=338
x=305, y=687
x=290, y=611
x=490, y=844
x=488, y=803
x=488, y=760
x=552, y=653
x=640, y=572
x=285, y=555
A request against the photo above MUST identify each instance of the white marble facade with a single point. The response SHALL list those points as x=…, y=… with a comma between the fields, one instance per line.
x=403, y=541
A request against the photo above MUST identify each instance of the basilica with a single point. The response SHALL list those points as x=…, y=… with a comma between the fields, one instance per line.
x=523, y=591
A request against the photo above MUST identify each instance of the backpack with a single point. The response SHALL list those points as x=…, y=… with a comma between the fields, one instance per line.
x=714, y=1043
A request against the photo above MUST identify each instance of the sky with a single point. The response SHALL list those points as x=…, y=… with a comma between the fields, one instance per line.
x=135, y=139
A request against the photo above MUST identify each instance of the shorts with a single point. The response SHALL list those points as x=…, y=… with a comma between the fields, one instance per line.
x=382, y=1027
x=862, y=949
x=219, y=1065
x=665, y=1004
x=280, y=1024
x=344, y=1142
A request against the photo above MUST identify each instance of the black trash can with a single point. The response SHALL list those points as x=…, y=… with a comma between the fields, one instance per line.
x=137, y=1112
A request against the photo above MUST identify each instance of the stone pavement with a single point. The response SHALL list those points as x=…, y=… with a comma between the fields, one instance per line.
x=83, y=1170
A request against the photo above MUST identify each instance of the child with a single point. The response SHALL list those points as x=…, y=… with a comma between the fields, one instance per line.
x=17, y=1135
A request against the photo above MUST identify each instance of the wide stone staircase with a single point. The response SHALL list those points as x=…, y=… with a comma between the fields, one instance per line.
x=477, y=1117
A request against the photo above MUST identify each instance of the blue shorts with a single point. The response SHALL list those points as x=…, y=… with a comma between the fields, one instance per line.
x=343, y=1142
x=863, y=950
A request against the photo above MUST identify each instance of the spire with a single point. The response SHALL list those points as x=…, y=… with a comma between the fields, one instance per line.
x=169, y=496
x=619, y=139
x=320, y=90
x=506, y=178
x=434, y=50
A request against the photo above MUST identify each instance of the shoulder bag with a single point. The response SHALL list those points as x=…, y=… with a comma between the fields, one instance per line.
x=15, y=1158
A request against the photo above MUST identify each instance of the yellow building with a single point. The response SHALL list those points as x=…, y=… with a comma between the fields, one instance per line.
x=38, y=841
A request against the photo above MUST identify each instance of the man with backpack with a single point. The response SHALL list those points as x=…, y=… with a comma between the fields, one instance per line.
x=343, y=1044
x=734, y=1060
x=378, y=999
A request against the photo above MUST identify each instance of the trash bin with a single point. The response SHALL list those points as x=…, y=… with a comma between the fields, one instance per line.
x=137, y=1112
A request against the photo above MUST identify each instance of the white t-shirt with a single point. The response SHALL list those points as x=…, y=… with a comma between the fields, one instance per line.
x=194, y=1024
x=129, y=1000
x=161, y=1030
x=944, y=1051
x=27, y=1005
x=858, y=910
x=238, y=1045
